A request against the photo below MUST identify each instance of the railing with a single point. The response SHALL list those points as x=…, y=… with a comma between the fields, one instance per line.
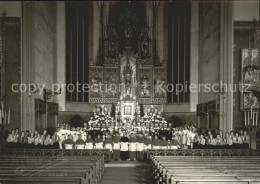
x=57, y=152
x=151, y=152
x=203, y=152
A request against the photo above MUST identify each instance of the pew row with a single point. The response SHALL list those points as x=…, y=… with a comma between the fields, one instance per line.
x=80, y=170
x=215, y=170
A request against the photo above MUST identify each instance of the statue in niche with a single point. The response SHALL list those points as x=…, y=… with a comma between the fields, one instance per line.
x=144, y=88
x=128, y=80
x=128, y=20
x=111, y=43
x=144, y=43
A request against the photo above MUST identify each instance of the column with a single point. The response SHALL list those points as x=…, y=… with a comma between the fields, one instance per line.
x=27, y=66
x=194, y=55
x=60, y=74
x=226, y=65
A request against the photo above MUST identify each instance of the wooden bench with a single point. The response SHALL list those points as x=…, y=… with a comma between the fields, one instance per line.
x=96, y=170
x=215, y=170
x=87, y=170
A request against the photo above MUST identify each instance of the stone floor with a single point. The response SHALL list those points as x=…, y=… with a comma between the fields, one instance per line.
x=127, y=173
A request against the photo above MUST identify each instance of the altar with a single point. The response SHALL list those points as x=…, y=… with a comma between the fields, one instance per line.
x=128, y=73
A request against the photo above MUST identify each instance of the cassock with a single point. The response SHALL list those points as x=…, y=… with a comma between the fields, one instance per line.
x=132, y=148
x=116, y=148
x=80, y=144
x=124, y=153
x=89, y=144
x=68, y=143
x=98, y=144
x=140, y=148
x=108, y=143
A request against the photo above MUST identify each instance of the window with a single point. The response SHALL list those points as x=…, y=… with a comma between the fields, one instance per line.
x=179, y=50
x=77, y=63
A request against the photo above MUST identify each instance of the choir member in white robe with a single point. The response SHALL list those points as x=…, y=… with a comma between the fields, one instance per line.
x=116, y=147
x=30, y=140
x=68, y=143
x=156, y=143
x=12, y=138
x=98, y=142
x=48, y=141
x=140, y=147
x=89, y=143
x=132, y=147
x=174, y=144
x=80, y=143
x=108, y=143
x=38, y=140
x=124, y=151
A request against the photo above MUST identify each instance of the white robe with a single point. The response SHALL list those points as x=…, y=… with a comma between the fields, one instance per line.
x=124, y=146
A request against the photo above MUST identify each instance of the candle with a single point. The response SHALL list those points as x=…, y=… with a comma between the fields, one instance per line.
x=5, y=116
x=248, y=118
x=253, y=118
x=2, y=110
x=0, y=117
x=9, y=116
x=251, y=112
x=256, y=118
x=245, y=118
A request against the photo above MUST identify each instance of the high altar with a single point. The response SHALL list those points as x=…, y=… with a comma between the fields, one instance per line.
x=128, y=69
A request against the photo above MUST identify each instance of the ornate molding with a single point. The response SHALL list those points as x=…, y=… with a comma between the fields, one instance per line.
x=203, y=152
x=56, y=152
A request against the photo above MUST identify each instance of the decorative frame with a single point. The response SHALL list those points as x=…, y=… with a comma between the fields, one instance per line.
x=145, y=86
x=127, y=110
x=111, y=76
x=159, y=76
x=250, y=78
x=96, y=78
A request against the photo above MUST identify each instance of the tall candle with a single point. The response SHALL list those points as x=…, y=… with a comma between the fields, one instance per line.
x=0, y=117
x=245, y=118
x=2, y=110
x=256, y=118
x=5, y=117
x=253, y=118
x=251, y=112
x=9, y=116
x=248, y=122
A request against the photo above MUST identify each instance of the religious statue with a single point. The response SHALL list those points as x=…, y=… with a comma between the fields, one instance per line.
x=144, y=43
x=111, y=43
x=128, y=80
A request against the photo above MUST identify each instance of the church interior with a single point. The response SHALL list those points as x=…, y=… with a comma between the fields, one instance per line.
x=105, y=91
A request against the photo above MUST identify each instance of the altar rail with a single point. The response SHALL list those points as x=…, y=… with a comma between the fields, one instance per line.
x=57, y=152
x=203, y=152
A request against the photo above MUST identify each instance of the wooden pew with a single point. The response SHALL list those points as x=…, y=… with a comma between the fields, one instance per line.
x=206, y=170
x=87, y=170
